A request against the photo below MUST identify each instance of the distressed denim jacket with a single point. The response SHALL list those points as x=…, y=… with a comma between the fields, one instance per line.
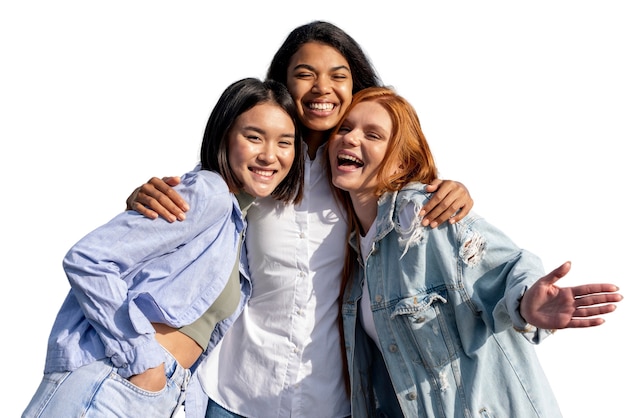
x=445, y=306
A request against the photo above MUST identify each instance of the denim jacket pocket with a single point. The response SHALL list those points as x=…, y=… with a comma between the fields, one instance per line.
x=424, y=327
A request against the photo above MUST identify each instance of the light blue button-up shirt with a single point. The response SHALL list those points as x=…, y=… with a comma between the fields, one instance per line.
x=445, y=308
x=133, y=271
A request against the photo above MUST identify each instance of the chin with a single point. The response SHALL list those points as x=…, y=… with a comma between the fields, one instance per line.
x=338, y=185
x=262, y=194
x=320, y=125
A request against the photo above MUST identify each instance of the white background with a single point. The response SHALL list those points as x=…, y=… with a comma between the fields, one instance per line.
x=524, y=103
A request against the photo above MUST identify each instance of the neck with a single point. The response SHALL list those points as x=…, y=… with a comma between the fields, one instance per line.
x=314, y=140
x=366, y=208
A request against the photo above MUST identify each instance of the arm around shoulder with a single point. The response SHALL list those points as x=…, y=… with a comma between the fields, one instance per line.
x=157, y=198
x=450, y=202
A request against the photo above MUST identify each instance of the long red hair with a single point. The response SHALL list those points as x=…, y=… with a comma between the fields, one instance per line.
x=407, y=146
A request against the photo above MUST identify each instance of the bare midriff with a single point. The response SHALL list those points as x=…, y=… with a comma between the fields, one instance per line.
x=184, y=349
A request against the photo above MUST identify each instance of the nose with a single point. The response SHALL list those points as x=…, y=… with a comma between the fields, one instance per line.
x=267, y=154
x=352, y=138
x=322, y=85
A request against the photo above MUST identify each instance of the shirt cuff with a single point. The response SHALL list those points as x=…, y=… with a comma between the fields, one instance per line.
x=139, y=359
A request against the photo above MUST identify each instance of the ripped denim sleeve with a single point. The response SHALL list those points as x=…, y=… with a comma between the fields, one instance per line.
x=411, y=232
x=472, y=249
x=409, y=227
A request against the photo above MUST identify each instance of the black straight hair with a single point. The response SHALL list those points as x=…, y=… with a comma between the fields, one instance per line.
x=238, y=98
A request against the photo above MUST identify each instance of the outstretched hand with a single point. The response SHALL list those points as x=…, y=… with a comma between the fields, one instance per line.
x=548, y=306
x=157, y=198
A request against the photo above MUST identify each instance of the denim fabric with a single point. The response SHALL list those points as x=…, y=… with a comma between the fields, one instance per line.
x=98, y=391
x=216, y=411
x=445, y=305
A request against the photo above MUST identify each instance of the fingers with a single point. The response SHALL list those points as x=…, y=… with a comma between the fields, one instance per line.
x=434, y=207
x=594, y=288
x=132, y=203
x=446, y=210
x=585, y=323
x=590, y=307
x=149, y=206
x=585, y=312
x=462, y=213
x=434, y=185
x=451, y=202
x=170, y=199
x=158, y=198
x=172, y=181
x=557, y=274
x=596, y=304
x=145, y=211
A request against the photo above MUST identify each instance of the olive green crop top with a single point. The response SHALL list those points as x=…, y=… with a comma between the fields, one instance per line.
x=226, y=303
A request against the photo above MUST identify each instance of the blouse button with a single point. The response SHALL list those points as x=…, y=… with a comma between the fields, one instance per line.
x=378, y=298
x=411, y=396
x=393, y=348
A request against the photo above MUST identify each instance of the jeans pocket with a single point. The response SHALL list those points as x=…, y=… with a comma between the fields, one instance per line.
x=119, y=397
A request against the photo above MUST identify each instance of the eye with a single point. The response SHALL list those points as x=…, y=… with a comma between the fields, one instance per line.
x=340, y=76
x=343, y=129
x=285, y=143
x=303, y=75
x=253, y=138
x=373, y=136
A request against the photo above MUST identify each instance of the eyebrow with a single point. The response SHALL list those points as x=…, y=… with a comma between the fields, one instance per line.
x=370, y=126
x=310, y=67
x=263, y=132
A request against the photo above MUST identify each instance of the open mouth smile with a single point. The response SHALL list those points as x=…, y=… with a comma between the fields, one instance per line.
x=345, y=160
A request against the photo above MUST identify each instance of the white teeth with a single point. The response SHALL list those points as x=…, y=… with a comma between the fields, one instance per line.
x=350, y=158
x=321, y=106
x=263, y=173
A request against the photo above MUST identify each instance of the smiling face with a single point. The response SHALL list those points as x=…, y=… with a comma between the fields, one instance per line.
x=261, y=148
x=320, y=81
x=357, y=150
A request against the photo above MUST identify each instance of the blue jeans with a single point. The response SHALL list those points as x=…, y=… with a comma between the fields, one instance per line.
x=96, y=390
x=216, y=411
